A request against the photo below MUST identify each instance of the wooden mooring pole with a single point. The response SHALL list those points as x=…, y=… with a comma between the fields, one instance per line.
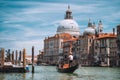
x=20, y=53
x=24, y=55
x=16, y=62
x=32, y=59
x=12, y=57
x=2, y=62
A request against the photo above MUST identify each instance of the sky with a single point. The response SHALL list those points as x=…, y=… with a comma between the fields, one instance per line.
x=26, y=23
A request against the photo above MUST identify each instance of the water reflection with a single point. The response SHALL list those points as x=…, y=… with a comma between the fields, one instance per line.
x=1, y=76
x=66, y=78
x=50, y=73
x=32, y=76
x=13, y=76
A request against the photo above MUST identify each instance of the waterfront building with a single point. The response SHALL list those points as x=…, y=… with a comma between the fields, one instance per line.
x=84, y=46
x=84, y=49
x=106, y=48
x=53, y=46
x=118, y=43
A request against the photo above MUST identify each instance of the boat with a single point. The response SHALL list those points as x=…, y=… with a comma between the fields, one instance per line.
x=65, y=66
x=10, y=68
x=68, y=69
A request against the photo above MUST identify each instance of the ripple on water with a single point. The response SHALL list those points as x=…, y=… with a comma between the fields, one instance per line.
x=50, y=73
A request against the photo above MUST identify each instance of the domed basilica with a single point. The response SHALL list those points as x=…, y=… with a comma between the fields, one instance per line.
x=67, y=33
x=69, y=25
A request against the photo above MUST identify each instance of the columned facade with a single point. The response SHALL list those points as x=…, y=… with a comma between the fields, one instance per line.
x=53, y=47
x=107, y=49
x=84, y=49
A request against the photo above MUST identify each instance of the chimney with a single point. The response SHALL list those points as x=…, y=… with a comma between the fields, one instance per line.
x=113, y=31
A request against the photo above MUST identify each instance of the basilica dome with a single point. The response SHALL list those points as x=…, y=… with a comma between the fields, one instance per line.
x=68, y=26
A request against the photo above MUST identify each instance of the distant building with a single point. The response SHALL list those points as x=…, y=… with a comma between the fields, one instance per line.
x=40, y=57
x=29, y=59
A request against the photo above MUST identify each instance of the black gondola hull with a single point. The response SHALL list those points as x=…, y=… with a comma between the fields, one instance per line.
x=68, y=70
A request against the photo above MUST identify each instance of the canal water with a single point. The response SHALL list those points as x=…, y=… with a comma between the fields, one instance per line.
x=50, y=73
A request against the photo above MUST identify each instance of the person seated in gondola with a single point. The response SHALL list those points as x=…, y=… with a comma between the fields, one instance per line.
x=60, y=63
x=65, y=59
x=70, y=59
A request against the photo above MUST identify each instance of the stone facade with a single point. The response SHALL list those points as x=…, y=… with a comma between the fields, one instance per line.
x=107, y=49
x=53, y=47
x=118, y=44
x=68, y=46
x=84, y=49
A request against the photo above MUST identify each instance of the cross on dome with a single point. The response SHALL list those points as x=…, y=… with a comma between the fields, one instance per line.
x=68, y=7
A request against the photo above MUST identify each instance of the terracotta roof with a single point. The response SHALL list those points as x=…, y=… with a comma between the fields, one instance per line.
x=62, y=35
x=72, y=39
x=107, y=35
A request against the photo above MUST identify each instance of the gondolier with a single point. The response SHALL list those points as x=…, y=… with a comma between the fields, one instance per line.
x=70, y=59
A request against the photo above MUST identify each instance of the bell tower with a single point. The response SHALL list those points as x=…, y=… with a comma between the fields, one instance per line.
x=100, y=27
x=94, y=26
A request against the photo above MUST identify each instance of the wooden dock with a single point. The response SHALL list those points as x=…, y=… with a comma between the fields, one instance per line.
x=13, y=70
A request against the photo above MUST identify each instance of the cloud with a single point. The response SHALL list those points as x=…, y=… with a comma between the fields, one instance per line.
x=38, y=44
x=27, y=23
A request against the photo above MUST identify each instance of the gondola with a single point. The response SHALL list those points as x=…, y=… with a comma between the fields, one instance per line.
x=68, y=70
x=67, y=64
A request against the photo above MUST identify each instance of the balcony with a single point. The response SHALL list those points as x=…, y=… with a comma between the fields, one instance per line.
x=66, y=45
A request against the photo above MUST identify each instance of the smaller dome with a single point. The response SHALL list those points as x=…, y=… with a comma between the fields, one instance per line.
x=89, y=30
